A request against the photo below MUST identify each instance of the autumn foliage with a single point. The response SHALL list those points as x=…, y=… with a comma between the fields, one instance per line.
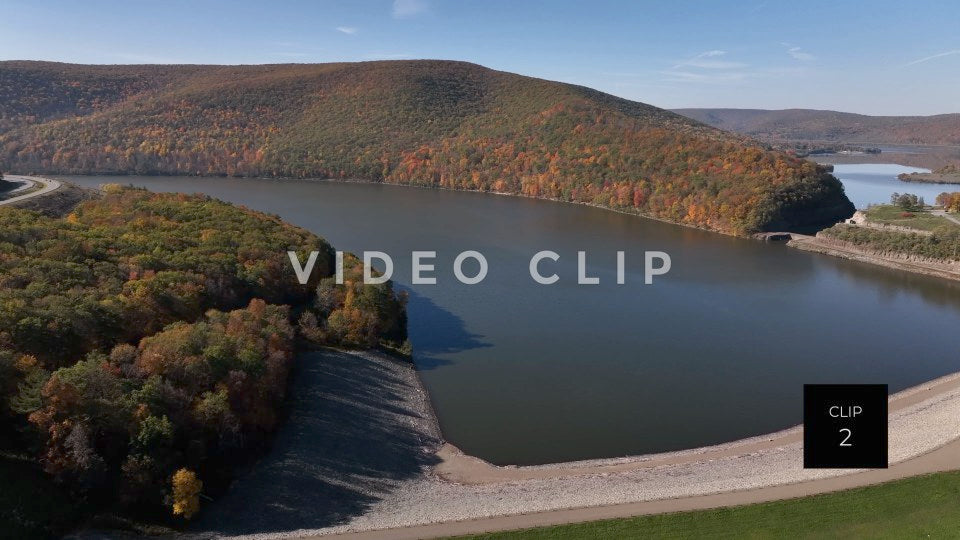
x=949, y=201
x=146, y=334
x=429, y=123
x=186, y=493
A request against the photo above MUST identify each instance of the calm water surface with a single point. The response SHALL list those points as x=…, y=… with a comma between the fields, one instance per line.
x=716, y=350
x=873, y=183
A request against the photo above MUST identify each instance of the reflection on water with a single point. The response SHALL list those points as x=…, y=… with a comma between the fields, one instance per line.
x=446, y=333
x=716, y=350
x=890, y=285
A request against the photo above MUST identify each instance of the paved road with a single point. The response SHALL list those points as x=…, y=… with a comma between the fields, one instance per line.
x=48, y=186
x=943, y=214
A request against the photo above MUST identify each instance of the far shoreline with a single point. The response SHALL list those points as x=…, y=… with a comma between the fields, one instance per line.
x=809, y=245
x=926, y=157
x=419, y=186
x=931, y=178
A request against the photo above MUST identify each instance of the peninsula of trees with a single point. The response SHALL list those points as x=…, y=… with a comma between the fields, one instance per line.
x=427, y=123
x=146, y=341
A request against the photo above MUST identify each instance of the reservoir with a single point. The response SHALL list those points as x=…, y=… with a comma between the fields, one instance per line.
x=873, y=183
x=716, y=350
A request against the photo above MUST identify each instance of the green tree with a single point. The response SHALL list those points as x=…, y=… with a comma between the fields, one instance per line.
x=907, y=201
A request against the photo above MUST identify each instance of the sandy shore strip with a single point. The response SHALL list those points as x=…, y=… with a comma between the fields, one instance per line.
x=370, y=463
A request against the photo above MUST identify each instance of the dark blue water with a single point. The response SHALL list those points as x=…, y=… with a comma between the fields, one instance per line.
x=716, y=350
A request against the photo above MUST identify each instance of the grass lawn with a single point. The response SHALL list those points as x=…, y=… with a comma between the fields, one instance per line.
x=893, y=215
x=921, y=507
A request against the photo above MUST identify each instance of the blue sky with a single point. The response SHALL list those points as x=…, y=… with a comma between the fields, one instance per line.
x=880, y=57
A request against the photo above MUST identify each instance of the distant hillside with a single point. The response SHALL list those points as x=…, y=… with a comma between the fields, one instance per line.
x=433, y=123
x=832, y=126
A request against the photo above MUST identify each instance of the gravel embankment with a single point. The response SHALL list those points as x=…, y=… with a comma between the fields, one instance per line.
x=359, y=454
x=360, y=430
x=845, y=250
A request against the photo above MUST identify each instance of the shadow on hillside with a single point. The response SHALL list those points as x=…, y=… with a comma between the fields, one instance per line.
x=356, y=430
x=436, y=331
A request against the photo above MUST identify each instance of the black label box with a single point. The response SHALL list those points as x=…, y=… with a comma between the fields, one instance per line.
x=845, y=426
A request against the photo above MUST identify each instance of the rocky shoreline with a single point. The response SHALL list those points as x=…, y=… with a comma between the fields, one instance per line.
x=360, y=431
x=362, y=453
x=846, y=250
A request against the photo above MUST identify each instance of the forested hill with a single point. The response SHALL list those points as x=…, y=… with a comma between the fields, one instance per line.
x=832, y=126
x=436, y=123
x=147, y=338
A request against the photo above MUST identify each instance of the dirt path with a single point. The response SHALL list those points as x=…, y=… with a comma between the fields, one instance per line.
x=945, y=215
x=47, y=186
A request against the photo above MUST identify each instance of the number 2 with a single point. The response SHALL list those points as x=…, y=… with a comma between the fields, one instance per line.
x=847, y=438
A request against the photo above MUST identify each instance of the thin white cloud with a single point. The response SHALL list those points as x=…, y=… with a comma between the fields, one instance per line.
x=622, y=74
x=711, y=77
x=932, y=57
x=349, y=30
x=387, y=56
x=715, y=64
x=707, y=67
x=699, y=59
x=404, y=9
x=798, y=54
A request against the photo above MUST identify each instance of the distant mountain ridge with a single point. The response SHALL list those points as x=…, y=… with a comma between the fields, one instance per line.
x=831, y=126
x=420, y=122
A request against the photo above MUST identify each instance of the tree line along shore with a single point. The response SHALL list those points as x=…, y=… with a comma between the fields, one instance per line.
x=948, y=174
x=906, y=234
x=146, y=341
